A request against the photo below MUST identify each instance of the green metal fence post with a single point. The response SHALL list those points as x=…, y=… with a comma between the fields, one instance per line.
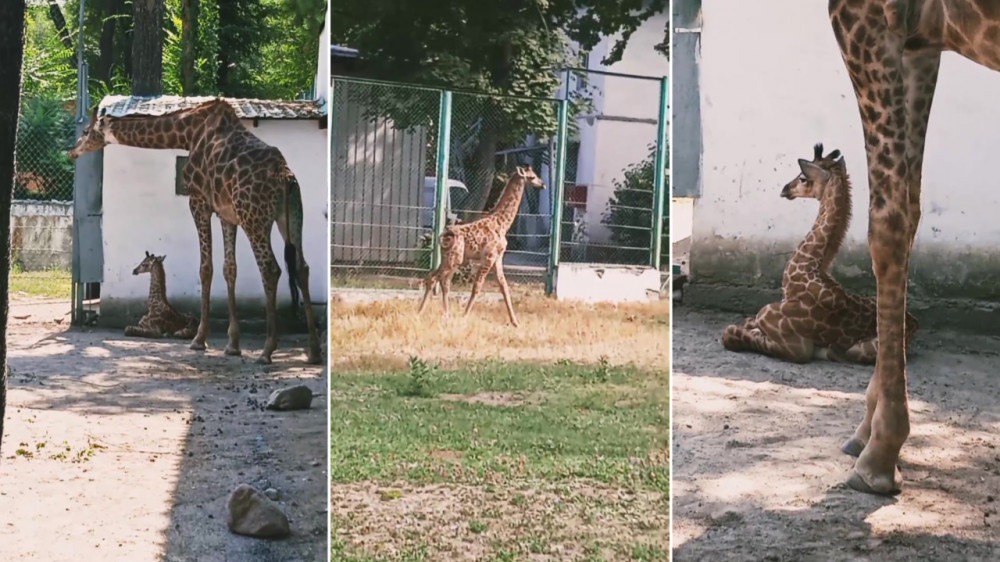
x=440, y=189
x=659, y=169
x=555, y=237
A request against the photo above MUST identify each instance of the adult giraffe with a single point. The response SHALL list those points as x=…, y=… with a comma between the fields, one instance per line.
x=11, y=52
x=230, y=172
x=892, y=50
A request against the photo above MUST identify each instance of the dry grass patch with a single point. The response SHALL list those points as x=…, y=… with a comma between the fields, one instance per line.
x=383, y=334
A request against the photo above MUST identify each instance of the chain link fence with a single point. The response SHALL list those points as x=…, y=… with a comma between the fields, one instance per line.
x=388, y=149
x=42, y=211
x=609, y=215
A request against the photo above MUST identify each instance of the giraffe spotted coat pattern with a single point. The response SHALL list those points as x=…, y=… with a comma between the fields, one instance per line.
x=892, y=52
x=230, y=172
x=483, y=240
x=816, y=316
x=161, y=320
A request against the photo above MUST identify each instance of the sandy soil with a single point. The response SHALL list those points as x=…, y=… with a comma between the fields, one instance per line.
x=758, y=472
x=126, y=449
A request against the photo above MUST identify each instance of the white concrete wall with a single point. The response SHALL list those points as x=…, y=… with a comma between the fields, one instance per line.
x=141, y=212
x=773, y=83
x=41, y=234
x=608, y=147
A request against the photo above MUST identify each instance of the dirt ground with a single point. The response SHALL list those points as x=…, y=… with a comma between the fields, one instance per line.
x=126, y=449
x=757, y=471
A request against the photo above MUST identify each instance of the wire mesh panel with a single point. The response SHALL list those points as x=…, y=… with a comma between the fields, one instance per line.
x=608, y=212
x=490, y=137
x=384, y=140
x=42, y=215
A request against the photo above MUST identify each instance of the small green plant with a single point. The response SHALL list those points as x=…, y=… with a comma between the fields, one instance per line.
x=478, y=527
x=603, y=370
x=418, y=383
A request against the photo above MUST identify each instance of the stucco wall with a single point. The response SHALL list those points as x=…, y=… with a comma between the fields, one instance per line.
x=142, y=212
x=773, y=83
x=608, y=147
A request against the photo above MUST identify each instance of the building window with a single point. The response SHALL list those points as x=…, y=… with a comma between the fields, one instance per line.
x=180, y=188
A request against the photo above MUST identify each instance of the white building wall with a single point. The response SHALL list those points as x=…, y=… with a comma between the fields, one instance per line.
x=608, y=147
x=142, y=212
x=773, y=84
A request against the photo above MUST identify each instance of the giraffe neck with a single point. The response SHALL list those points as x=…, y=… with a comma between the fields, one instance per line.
x=157, y=284
x=510, y=200
x=180, y=130
x=821, y=245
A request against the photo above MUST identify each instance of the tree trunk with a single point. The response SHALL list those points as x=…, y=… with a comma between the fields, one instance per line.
x=147, y=48
x=106, y=46
x=56, y=15
x=484, y=163
x=189, y=44
x=11, y=52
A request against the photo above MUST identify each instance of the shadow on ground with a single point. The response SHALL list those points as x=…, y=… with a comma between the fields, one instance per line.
x=758, y=474
x=135, y=444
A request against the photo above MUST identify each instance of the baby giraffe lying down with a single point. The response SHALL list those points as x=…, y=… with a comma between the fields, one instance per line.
x=161, y=320
x=816, y=317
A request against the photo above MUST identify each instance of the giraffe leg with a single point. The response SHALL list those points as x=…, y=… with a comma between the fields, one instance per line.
x=477, y=284
x=446, y=288
x=259, y=233
x=202, y=214
x=505, y=290
x=429, y=282
x=778, y=333
x=884, y=121
x=314, y=355
x=229, y=272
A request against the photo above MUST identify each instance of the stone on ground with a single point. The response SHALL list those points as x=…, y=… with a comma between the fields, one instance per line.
x=291, y=398
x=252, y=514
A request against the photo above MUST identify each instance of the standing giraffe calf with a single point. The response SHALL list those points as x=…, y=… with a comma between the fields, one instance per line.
x=483, y=240
x=161, y=320
x=816, y=316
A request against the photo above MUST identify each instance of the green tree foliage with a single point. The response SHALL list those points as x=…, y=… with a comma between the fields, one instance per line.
x=269, y=48
x=510, y=48
x=629, y=213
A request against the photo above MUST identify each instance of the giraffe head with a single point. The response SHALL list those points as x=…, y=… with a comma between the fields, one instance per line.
x=94, y=136
x=147, y=264
x=529, y=177
x=815, y=176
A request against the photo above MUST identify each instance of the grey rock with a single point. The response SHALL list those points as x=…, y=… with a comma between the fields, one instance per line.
x=272, y=494
x=291, y=398
x=252, y=514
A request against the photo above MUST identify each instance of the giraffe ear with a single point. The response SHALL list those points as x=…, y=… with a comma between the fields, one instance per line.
x=812, y=172
x=833, y=155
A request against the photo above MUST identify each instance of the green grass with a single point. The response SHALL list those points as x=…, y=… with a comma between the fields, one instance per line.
x=50, y=283
x=545, y=422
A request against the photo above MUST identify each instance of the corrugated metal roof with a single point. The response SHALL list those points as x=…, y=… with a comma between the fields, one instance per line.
x=120, y=106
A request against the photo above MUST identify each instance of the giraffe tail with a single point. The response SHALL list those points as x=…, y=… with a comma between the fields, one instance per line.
x=291, y=255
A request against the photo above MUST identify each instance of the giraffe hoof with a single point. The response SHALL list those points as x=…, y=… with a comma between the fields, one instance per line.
x=880, y=486
x=233, y=351
x=198, y=346
x=314, y=359
x=264, y=360
x=853, y=447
